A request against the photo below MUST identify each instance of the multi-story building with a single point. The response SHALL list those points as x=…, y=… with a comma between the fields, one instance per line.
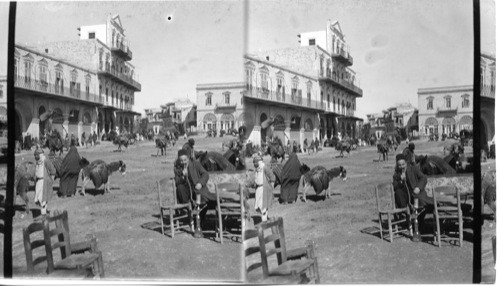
x=182, y=112
x=155, y=119
x=219, y=106
x=444, y=110
x=88, y=83
x=488, y=77
x=310, y=90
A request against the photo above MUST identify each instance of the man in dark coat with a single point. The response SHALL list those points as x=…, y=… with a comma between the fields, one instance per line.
x=70, y=169
x=290, y=177
x=189, y=147
x=409, y=185
x=197, y=178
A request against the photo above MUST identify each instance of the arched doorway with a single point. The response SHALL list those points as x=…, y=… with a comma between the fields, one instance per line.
x=42, y=124
x=209, y=121
x=431, y=126
x=263, y=131
x=121, y=124
x=295, y=123
x=127, y=125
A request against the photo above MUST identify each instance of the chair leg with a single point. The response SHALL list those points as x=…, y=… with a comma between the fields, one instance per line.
x=161, y=219
x=100, y=265
x=408, y=222
x=172, y=228
x=380, y=226
x=438, y=231
x=460, y=230
x=389, y=222
x=191, y=222
x=221, y=229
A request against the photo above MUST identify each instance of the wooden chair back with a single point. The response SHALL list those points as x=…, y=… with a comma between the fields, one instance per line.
x=251, y=248
x=384, y=194
x=162, y=186
x=60, y=231
x=229, y=206
x=30, y=245
x=447, y=206
x=272, y=241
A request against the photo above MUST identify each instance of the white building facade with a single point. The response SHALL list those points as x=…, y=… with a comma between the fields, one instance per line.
x=219, y=106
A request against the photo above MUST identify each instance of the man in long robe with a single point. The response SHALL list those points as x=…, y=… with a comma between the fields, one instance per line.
x=70, y=169
x=290, y=177
x=263, y=183
x=44, y=178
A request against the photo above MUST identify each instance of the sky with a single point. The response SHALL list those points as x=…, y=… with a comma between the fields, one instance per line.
x=202, y=43
x=397, y=46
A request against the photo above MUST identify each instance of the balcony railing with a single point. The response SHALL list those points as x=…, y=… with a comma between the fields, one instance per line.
x=127, y=80
x=342, y=83
x=225, y=106
x=343, y=56
x=272, y=96
x=50, y=88
x=122, y=50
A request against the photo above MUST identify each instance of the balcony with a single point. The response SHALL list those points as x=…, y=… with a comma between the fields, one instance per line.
x=124, y=79
x=122, y=51
x=55, y=90
x=444, y=112
x=343, y=84
x=225, y=107
x=268, y=96
x=343, y=57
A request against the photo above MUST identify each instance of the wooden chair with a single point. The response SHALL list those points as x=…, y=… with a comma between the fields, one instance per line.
x=174, y=211
x=88, y=245
x=253, y=262
x=68, y=260
x=230, y=205
x=447, y=212
x=300, y=261
x=30, y=246
x=386, y=206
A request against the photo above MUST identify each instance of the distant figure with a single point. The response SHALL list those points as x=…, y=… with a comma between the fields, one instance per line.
x=83, y=138
x=189, y=147
x=44, y=178
x=305, y=146
x=94, y=138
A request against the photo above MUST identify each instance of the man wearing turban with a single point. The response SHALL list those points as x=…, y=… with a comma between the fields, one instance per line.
x=264, y=178
x=44, y=178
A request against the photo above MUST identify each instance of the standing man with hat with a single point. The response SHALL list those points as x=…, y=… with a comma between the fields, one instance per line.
x=263, y=184
x=44, y=178
x=409, y=184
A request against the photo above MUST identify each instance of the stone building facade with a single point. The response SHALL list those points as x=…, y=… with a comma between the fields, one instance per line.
x=444, y=109
x=488, y=78
x=310, y=90
x=219, y=106
x=89, y=83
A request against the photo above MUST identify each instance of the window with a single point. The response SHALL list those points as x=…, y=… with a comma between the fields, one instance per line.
x=208, y=100
x=107, y=92
x=72, y=83
x=309, y=94
x=430, y=104
x=465, y=101
x=264, y=84
x=321, y=66
x=92, y=35
x=87, y=86
x=280, y=88
x=227, y=98
x=249, y=78
x=27, y=71
x=312, y=42
x=448, y=102
x=59, y=84
x=43, y=74
x=295, y=84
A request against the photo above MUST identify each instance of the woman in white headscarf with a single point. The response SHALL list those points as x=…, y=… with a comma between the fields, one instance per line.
x=264, y=179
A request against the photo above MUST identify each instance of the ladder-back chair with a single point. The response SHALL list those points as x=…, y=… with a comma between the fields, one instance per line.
x=175, y=211
x=448, y=217
x=386, y=206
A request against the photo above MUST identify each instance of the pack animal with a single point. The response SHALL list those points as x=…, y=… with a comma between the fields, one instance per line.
x=54, y=143
x=434, y=165
x=121, y=140
x=214, y=161
x=321, y=179
x=161, y=145
x=343, y=146
x=99, y=172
